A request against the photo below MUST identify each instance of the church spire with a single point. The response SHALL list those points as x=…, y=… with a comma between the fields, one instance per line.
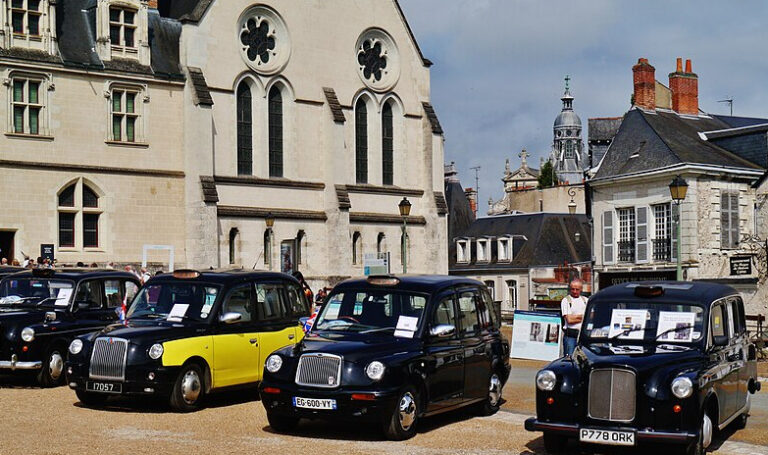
x=567, y=98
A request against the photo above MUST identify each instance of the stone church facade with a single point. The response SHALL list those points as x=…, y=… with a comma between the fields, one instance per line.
x=189, y=124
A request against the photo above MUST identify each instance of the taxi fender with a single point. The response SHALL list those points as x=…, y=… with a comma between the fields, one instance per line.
x=177, y=352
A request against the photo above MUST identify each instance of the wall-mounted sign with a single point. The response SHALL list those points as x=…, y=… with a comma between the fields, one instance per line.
x=741, y=265
x=606, y=279
x=287, y=256
x=46, y=251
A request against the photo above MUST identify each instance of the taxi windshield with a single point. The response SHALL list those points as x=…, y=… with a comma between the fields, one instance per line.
x=36, y=292
x=174, y=302
x=658, y=322
x=372, y=311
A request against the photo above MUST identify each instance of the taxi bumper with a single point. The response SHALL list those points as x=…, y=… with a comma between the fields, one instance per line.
x=642, y=436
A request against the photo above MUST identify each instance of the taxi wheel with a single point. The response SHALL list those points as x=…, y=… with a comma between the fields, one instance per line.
x=91, y=399
x=188, y=390
x=282, y=424
x=52, y=372
x=401, y=424
x=554, y=443
x=699, y=447
x=492, y=402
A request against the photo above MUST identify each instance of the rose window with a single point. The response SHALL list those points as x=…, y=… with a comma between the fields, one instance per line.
x=259, y=40
x=372, y=60
x=378, y=60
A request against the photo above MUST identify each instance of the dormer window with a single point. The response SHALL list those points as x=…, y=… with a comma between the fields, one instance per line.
x=463, y=253
x=25, y=17
x=122, y=27
x=505, y=249
x=482, y=251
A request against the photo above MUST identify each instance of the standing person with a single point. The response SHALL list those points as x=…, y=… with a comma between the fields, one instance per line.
x=145, y=276
x=572, y=309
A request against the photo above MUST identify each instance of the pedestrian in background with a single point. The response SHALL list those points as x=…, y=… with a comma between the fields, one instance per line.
x=572, y=310
x=145, y=276
x=4, y=261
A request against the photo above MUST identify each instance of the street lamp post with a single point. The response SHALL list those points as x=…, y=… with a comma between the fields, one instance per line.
x=405, y=209
x=270, y=221
x=678, y=189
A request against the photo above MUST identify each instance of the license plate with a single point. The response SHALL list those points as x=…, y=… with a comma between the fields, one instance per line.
x=611, y=437
x=104, y=387
x=314, y=403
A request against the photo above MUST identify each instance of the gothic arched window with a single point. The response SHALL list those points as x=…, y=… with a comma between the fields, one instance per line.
x=361, y=142
x=233, y=245
x=381, y=243
x=387, y=145
x=244, y=130
x=357, y=248
x=275, y=132
x=79, y=211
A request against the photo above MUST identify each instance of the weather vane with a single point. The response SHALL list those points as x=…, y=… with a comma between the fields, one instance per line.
x=567, y=81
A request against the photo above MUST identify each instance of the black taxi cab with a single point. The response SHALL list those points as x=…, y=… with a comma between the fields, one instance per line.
x=663, y=362
x=188, y=333
x=9, y=270
x=43, y=310
x=390, y=350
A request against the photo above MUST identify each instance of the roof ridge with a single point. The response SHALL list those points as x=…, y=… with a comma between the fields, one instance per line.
x=642, y=115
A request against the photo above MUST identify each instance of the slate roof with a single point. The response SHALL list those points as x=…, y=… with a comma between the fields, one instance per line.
x=433, y=120
x=603, y=129
x=550, y=240
x=333, y=103
x=662, y=139
x=202, y=92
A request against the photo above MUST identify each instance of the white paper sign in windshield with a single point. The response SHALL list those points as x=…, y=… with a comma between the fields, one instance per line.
x=62, y=298
x=675, y=326
x=333, y=311
x=628, y=324
x=178, y=312
x=406, y=326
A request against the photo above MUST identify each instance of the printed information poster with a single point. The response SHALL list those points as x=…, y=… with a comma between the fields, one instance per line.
x=536, y=336
x=675, y=326
x=628, y=324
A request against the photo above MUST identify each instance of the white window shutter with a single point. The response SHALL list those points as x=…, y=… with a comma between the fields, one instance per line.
x=734, y=219
x=641, y=235
x=608, y=237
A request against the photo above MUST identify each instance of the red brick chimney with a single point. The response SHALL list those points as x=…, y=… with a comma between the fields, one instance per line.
x=685, y=89
x=472, y=198
x=152, y=4
x=644, y=76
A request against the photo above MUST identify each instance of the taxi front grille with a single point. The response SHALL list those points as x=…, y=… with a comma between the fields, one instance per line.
x=612, y=395
x=319, y=370
x=108, y=359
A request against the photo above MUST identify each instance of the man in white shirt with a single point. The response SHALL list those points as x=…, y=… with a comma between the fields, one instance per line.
x=572, y=309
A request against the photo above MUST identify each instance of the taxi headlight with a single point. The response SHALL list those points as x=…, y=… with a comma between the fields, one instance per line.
x=28, y=334
x=375, y=370
x=546, y=380
x=156, y=351
x=75, y=346
x=274, y=363
x=682, y=387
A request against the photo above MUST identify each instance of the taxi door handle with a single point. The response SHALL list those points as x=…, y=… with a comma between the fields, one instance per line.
x=254, y=341
x=290, y=336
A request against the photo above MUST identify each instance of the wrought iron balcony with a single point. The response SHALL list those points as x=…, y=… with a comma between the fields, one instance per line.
x=627, y=250
x=662, y=249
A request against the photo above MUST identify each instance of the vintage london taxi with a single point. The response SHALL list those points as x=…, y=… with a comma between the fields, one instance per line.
x=43, y=310
x=662, y=362
x=390, y=350
x=188, y=333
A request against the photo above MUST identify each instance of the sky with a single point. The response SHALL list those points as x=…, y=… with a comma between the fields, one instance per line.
x=499, y=67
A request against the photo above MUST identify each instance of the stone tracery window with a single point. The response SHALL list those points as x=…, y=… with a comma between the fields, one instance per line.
x=25, y=17
x=258, y=39
x=377, y=59
x=264, y=40
x=372, y=60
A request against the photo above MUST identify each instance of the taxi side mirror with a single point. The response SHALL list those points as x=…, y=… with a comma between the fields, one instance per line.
x=230, y=318
x=720, y=340
x=80, y=306
x=442, y=331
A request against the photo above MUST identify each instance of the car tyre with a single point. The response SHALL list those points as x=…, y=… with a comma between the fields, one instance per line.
x=741, y=422
x=492, y=401
x=282, y=424
x=52, y=372
x=554, y=443
x=401, y=424
x=188, y=390
x=91, y=399
x=699, y=447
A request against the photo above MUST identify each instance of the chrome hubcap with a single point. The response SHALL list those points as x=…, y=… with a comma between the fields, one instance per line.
x=407, y=411
x=190, y=387
x=706, y=432
x=494, y=390
x=55, y=365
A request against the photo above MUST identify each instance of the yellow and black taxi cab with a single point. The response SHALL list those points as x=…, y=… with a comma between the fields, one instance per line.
x=189, y=333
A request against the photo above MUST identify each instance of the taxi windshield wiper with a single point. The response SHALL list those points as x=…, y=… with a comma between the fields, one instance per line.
x=49, y=298
x=674, y=330
x=379, y=329
x=147, y=315
x=628, y=331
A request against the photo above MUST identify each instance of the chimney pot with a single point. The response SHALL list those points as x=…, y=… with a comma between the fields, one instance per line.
x=685, y=89
x=644, y=78
x=688, y=66
x=679, y=65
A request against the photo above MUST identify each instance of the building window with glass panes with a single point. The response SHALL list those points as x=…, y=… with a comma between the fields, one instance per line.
x=626, y=234
x=662, y=241
x=78, y=205
x=122, y=27
x=125, y=115
x=729, y=219
x=27, y=105
x=25, y=17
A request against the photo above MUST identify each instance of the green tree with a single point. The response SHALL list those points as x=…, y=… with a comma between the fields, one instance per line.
x=547, y=176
